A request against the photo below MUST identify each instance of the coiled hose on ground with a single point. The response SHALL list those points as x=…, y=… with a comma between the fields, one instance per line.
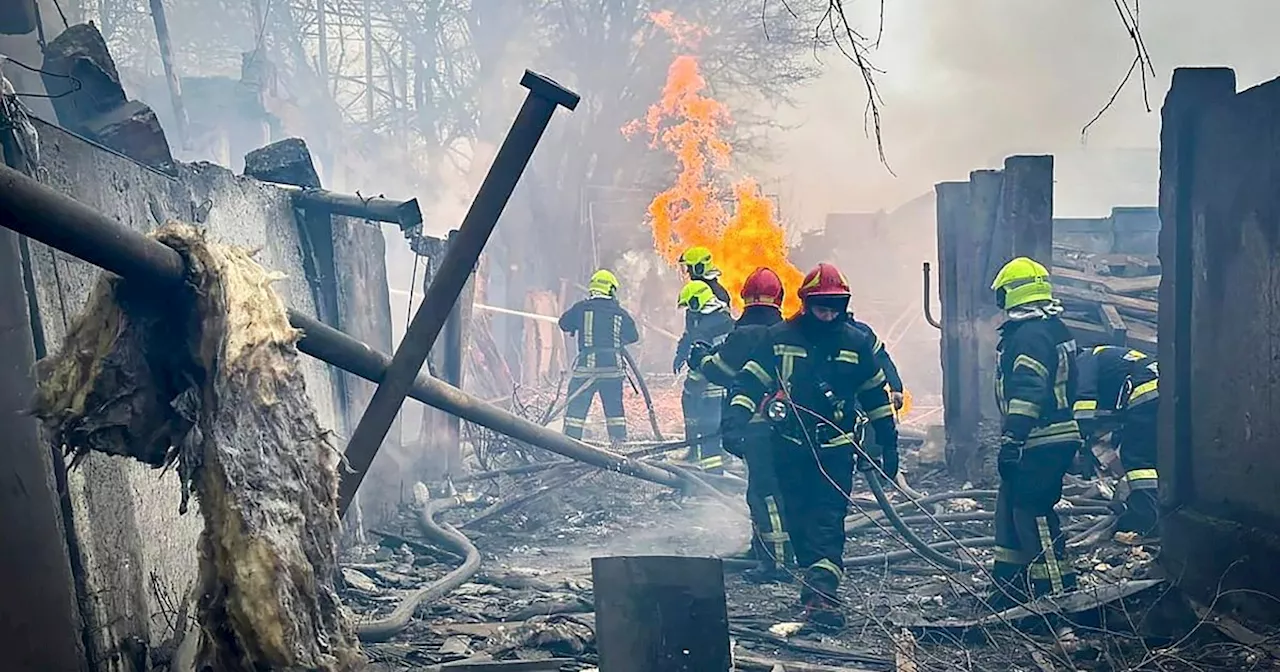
x=382, y=629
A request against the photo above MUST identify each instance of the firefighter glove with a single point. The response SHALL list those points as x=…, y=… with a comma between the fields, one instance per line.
x=677, y=364
x=698, y=352
x=1009, y=456
x=898, y=400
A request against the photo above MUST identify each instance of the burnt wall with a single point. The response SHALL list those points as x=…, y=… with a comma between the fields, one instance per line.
x=136, y=555
x=1220, y=414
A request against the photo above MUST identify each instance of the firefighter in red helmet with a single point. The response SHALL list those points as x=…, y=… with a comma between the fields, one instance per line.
x=815, y=379
x=770, y=543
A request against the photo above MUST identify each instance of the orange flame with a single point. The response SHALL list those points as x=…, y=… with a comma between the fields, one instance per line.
x=692, y=211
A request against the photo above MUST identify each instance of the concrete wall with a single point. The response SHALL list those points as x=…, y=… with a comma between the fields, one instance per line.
x=137, y=554
x=1128, y=230
x=1219, y=335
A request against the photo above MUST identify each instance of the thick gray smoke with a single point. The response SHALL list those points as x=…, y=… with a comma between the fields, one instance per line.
x=967, y=83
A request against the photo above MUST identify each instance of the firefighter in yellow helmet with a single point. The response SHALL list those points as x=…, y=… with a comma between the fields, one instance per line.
x=707, y=321
x=698, y=265
x=603, y=327
x=1035, y=383
x=1119, y=392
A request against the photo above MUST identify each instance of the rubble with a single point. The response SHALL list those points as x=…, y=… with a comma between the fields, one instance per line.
x=1110, y=298
x=97, y=106
x=210, y=382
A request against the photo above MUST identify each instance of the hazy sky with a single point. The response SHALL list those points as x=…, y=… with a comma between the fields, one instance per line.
x=967, y=83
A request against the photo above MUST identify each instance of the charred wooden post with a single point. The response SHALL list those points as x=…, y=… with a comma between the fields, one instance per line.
x=532, y=120
x=661, y=613
x=170, y=72
x=959, y=365
x=1000, y=214
x=41, y=623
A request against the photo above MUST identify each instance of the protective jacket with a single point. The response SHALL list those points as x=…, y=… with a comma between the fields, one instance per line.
x=710, y=328
x=1036, y=380
x=886, y=362
x=1118, y=391
x=1113, y=379
x=727, y=360
x=603, y=327
x=830, y=376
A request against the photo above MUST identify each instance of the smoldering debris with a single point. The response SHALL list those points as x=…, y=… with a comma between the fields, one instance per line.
x=210, y=381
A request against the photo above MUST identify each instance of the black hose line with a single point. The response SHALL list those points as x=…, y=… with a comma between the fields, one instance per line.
x=923, y=548
x=382, y=629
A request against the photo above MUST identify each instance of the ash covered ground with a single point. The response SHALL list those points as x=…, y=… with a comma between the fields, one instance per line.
x=532, y=596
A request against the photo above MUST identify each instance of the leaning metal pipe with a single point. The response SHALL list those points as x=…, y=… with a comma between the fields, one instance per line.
x=449, y=279
x=59, y=221
x=385, y=628
x=644, y=392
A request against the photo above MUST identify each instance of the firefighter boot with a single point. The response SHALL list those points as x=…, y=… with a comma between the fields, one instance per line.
x=1140, y=522
x=818, y=599
x=1010, y=586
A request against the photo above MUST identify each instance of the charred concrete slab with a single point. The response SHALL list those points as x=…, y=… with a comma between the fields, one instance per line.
x=999, y=214
x=1219, y=307
x=133, y=130
x=287, y=162
x=96, y=106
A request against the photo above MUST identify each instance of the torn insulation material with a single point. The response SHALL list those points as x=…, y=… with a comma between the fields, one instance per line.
x=209, y=381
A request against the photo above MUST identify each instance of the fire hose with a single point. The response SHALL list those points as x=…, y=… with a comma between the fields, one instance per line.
x=382, y=629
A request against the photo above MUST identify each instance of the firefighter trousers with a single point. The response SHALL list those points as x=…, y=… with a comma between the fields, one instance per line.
x=816, y=490
x=770, y=542
x=1031, y=550
x=702, y=404
x=1137, y=448
x=583, y=387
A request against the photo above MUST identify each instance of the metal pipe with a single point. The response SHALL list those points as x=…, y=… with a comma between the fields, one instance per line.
x=165, y=44
x=57, y=220
x=328, y=344
x=928, y=312
x=407, y=214
x=527, y=129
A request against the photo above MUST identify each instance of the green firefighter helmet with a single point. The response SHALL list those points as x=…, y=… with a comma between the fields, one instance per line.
x=1022, y=281
x=697, y=261
x=603, y=283
x=697, y=296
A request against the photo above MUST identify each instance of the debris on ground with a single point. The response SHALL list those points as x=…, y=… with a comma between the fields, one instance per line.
x=209, y=382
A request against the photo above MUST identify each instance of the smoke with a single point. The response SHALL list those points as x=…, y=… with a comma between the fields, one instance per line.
x=966, y=84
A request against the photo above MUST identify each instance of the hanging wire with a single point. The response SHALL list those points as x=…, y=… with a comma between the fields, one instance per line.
x=76, y=84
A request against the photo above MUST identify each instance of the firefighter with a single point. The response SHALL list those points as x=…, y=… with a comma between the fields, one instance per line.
x=770, y=544
x=698, y=266
x=810, y=376
x=1118, y=392
x=897, y=393
x=707, y=320
x=603, y=328
x=1035, y=381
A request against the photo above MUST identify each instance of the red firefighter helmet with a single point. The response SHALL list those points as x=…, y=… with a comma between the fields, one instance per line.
x=824, y=280
x=762, y=288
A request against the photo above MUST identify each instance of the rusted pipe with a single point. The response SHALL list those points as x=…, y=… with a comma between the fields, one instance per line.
x=406, y=214
x=459, y=260
x=928, y=312
x=57, y=220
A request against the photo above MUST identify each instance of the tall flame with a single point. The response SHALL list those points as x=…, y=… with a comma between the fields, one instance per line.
x=693, y=211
